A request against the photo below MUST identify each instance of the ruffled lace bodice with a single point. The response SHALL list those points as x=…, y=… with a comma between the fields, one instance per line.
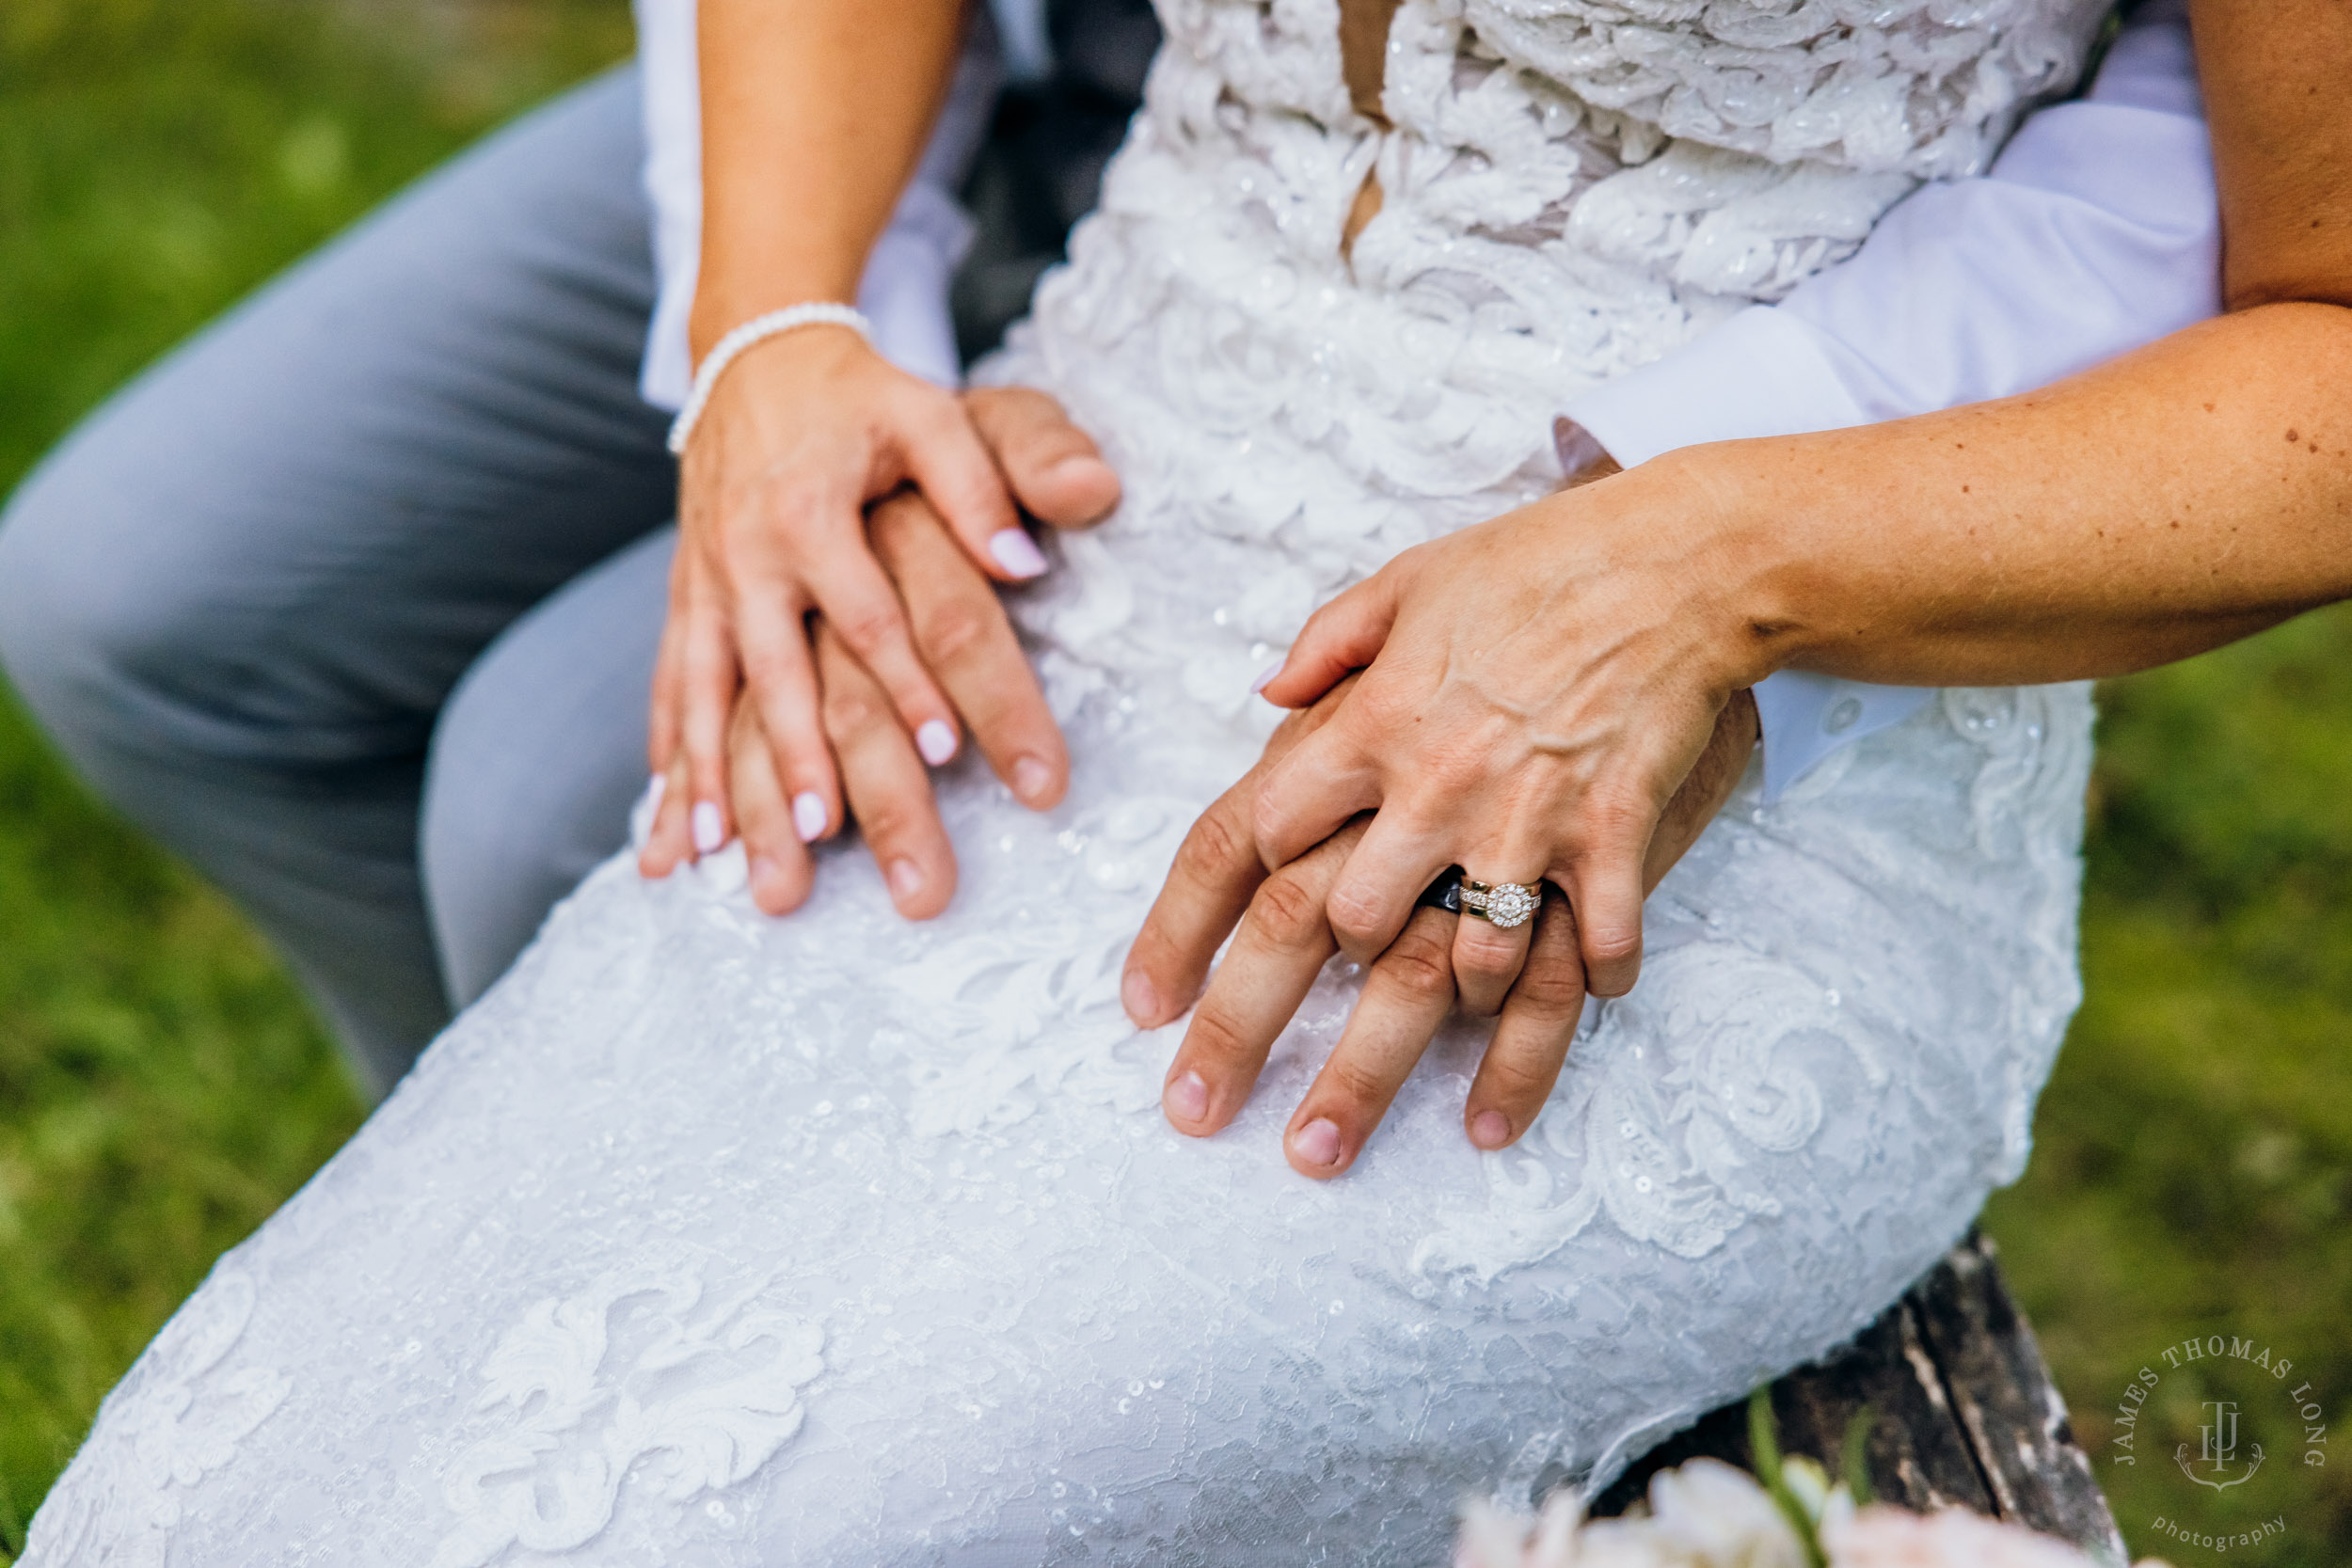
x=1568, y=189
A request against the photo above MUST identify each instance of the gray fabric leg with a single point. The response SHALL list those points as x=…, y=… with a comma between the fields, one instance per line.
x=240, y=594
x=538, y=760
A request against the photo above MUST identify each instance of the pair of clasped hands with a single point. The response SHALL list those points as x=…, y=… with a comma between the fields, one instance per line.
x=1535, y=699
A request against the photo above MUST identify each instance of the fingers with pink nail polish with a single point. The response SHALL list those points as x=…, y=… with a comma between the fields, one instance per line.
x=936, y=741
x=809, y=817
x=1017, y=553
x=710, y=830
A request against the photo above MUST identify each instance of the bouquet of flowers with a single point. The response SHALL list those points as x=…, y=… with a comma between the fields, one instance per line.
x=1706, y=1514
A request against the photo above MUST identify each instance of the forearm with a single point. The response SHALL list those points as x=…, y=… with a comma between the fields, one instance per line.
x=815, y=113
x=2183, y=496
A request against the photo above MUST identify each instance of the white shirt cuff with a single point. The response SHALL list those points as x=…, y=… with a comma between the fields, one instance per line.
x=1759, y=373
x=1805, y=717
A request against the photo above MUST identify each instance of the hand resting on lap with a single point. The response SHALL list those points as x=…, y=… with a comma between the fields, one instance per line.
x=959, y=632
x=1284, y=938
x=799, y=438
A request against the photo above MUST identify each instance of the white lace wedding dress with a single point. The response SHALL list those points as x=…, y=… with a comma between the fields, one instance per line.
x=708, y=1239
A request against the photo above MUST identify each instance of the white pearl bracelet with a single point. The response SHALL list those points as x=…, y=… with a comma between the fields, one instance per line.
x=758, y=331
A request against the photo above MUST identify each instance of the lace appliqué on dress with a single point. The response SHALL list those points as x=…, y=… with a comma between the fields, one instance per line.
x=634, y=1381
x=170, y=1423
x=1666, y=1155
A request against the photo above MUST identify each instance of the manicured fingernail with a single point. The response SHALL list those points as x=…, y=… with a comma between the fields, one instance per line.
x=1016, y=552
x=657, y=787
x=1141, y=1000
x=1267, y=677
x=906, y=878
x=1490, y=1129
x=761, y=869
x=936, y=740
x=710, y=831
x=1031, y=779
x=1318, y=1142
x=1187, y=1097
x=808, y=815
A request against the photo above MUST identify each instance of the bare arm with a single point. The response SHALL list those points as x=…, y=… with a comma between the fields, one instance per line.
x=813, y=114
x=2176, y=499
x=2182, y=496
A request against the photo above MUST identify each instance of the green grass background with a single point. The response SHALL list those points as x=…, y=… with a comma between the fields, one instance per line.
x=161, y=1087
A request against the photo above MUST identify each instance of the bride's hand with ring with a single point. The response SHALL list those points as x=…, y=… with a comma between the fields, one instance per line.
x=1284, y=938
x=1534, y=691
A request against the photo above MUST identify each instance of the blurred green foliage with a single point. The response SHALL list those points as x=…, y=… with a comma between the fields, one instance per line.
x=161, y=1087
x=2192, y=1174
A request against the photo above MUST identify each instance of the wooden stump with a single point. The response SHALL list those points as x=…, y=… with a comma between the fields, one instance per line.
x=1966, y=1414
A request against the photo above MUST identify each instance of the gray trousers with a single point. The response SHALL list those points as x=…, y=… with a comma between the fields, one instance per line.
x=353, y=599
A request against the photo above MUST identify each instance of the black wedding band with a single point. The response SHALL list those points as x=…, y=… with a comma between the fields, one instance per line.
x=1443, y=894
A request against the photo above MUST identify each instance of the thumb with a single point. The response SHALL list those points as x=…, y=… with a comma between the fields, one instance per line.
x=1054, y=468
x=1344, y=636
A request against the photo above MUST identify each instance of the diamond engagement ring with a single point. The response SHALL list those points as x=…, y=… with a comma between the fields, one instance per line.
x=1505, y=904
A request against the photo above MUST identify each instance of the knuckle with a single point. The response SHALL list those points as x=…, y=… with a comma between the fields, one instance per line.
x=954, y=628
x=1612, y=944
x=1616, y=812
x=1214, y=849
x=1482, y=950
x=853, y=710
x=890, y=821
x=1357, y=1083
x=1214, y=1034
x=1418, y=966
x=869, y=628
x=1519, y=1080
x=1354, y=912
x=1287, y=911
x=1550, y=989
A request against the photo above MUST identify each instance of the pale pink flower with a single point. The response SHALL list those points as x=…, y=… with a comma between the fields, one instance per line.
x=1706, y=1514
x=1952, y=1538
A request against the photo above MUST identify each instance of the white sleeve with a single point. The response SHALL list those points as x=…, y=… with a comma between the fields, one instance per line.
x=904, y=290
x=2095, y=232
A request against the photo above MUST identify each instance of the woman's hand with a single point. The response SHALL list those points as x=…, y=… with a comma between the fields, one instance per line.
x=1535, y=691
x=962, y=638
x=802, y=435
x=1285, y=938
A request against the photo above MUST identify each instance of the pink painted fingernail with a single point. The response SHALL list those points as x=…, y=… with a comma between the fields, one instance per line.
x=1031, y=779
x=906, y=878
x=656, y=788
x=1318, y=1142
x=1490, y=1129
x=808, y=815
x=1267, y=677
x=710, y=831
x=1016, y=552
x=1141, y=998
x=936, y=740
x=1187, y=1097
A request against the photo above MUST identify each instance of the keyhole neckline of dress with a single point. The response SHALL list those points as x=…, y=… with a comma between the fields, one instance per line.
x=1364, y=52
